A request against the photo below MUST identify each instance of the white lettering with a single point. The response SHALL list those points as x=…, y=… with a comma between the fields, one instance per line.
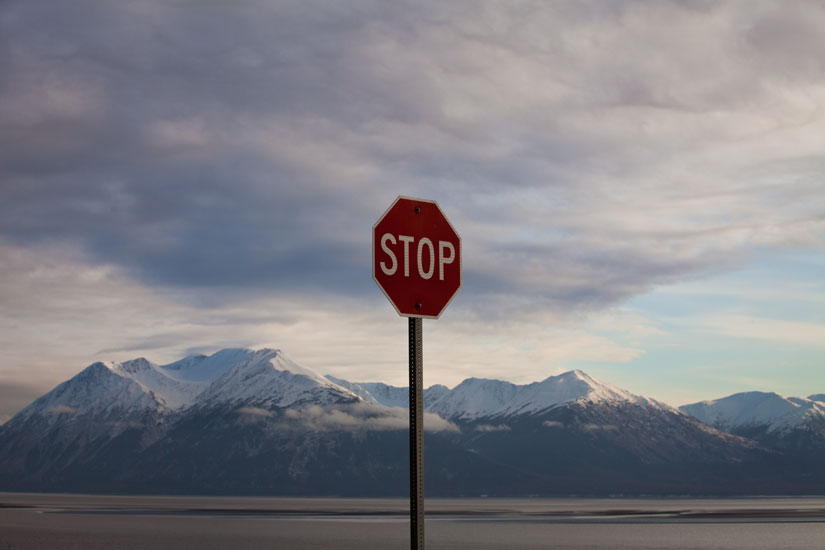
x=421, y=244
x=406, y=240
x=444, y=259
x=446, y=255
x=388, y=270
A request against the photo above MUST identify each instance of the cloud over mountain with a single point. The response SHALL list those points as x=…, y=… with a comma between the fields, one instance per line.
x=218, y=165
x=251, y=158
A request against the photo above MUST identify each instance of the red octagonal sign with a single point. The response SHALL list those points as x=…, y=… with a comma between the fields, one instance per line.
x=416, y=257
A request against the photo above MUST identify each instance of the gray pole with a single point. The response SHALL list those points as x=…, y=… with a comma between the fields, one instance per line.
x=416, y=435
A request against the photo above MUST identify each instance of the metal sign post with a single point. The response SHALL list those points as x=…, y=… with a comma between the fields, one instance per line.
x=416, y=434
x=416, y=262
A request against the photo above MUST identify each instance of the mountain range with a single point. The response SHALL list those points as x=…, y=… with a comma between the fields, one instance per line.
x=255, y=422
x=787, y=424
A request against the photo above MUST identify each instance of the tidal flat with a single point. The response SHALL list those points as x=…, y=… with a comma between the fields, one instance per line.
x=70, y=522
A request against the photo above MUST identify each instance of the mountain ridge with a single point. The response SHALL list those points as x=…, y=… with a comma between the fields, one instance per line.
x=257, y=422
x=756, y=408
x=788, y=424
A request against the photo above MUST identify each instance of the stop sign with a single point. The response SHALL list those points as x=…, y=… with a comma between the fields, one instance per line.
x=416, y=257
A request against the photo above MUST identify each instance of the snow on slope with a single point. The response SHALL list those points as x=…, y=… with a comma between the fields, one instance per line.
x=375, y=392
x=817, y=397
x=384, y=394
x=203, y=368
x=100, y=389
x=171, y=392
x=266, y=378
x=177, y=385
x=476, y=398
x=755, y=408
x=138, y=385
x=193, y=374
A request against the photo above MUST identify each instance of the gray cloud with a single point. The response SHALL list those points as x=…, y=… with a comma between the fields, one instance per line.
x=585, y=152
x=492, y=428
x=361, y=416
x=598, y=427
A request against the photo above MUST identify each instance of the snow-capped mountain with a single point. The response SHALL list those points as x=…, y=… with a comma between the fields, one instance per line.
x=99, y=390
x=257, y=422
x=244, y=377
x=794, y=426
x=758, y=409
x=497, y=413
x=524, y=424
x=103, y=418
x=107, y=410
x=476, y=398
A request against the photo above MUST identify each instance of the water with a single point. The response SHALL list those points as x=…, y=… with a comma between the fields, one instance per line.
x=70, y=522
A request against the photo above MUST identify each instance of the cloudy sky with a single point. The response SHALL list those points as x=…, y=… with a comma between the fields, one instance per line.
x=639, y=187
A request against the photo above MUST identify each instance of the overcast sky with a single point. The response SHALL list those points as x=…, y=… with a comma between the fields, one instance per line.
x=639, y=187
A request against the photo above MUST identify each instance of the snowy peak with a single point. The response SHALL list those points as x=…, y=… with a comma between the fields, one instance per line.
x=98, y=390
x=577, y=386
x=132, y=387
x=177, y=385
x=167, y=391
x=264, y=377
x=434, y=392
x=268, y=379
x=208, y=368
x=756, y=409
x=135, y=366
x=476, y=398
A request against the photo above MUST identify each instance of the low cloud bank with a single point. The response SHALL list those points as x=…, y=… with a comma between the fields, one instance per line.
x=349, y=417
x=598, y=427
x=492, y=428
x=587, y=427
